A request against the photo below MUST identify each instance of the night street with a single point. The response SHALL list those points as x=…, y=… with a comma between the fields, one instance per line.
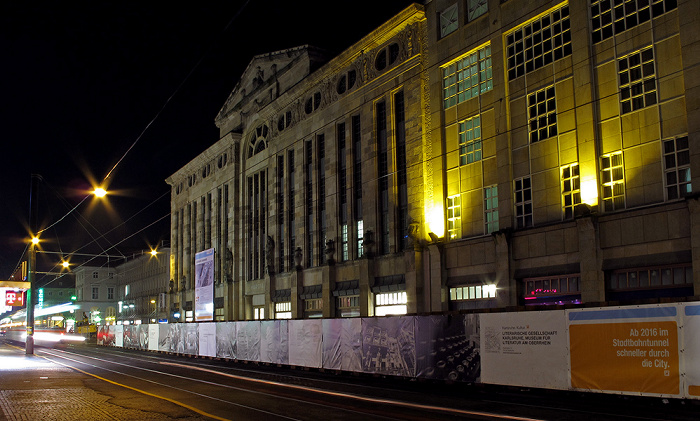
x=108, y=383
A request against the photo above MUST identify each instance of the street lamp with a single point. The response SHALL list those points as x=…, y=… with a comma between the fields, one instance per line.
x=31, y=264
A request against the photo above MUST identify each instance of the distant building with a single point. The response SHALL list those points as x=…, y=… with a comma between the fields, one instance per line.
x=466, y=154
x=143, y=284
x=96, y=292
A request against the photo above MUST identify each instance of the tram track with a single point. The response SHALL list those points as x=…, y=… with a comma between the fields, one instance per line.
x=344, y=397
x=285, y=388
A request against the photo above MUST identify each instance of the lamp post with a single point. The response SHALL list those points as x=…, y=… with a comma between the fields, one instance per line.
x=31, y=260
x=31, y=264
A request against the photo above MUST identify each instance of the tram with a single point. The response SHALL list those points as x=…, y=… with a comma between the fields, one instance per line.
x=50, y=328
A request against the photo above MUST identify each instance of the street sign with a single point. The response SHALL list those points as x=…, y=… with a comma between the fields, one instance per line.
x=14, y=298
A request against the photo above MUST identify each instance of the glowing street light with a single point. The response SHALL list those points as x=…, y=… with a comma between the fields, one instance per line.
x=100, y=192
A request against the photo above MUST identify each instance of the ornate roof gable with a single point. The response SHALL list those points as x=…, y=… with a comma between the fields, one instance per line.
x=268, y=76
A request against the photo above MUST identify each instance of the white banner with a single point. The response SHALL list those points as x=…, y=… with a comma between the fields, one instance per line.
x=226, y=340
x=525, y=349
x=305, y=339
x=119, y=335
x=207, y=339
x=204, y=286
x=342, y=344
x=153, y=335
x=691, y=345
x=274, y=342
x=248, y=340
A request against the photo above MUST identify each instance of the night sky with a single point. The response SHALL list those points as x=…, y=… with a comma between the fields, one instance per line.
x=81, y=81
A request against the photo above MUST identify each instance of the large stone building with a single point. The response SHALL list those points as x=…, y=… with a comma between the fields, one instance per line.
x=465, y=154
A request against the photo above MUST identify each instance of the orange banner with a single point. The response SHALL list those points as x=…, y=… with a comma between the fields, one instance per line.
x=628, y=357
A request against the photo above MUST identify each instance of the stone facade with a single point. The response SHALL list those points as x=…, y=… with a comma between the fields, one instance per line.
x=466, y=154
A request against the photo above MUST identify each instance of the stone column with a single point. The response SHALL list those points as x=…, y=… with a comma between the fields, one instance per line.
x=592, y=282
x=506, y=288
x=694, y=214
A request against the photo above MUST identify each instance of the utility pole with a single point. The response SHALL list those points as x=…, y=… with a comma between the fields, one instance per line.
x=31, y=269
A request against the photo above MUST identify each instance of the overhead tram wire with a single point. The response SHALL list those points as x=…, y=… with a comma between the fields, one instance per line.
x=177, y=89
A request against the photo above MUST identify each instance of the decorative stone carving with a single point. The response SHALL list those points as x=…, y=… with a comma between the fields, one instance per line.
x=269, y=254
x=298, y=257
x=329, y=251
x=228, y=264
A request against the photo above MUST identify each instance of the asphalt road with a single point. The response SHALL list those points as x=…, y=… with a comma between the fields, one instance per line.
x=186, y=388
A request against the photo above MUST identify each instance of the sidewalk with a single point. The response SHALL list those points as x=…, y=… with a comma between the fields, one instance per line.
x=33, y=388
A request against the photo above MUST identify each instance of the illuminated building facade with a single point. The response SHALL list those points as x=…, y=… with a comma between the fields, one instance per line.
x=466, y=154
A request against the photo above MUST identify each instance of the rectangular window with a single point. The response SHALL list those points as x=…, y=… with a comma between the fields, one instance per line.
x=110, y=293
x=383, y=162
x=257, y=215
x=608, y=17
x=677, y=168
x=651, y=277
x=390, y=303
x=283, y=310
x=539, y=42
x=476, y=8
x=454, y=217
x=356, y=137
x=280, y=214
x=342, y=192
x=308, y=194
x=468, y=76
x=321, y=168
x=470, y=140
x=219, y=314
x=570, y=189
x=313, y=308
x=637, y=80
x=95, y=293
x=359, y=234
x=491, y=209
x=259, y=313
x=523, y=202
x=542, y=114
x=292, y=208
x=613, y=181
x=348, y=306
x=552, y=290
x=449, y=21
x=401, y=176
x=473, y=292
x=344, y=253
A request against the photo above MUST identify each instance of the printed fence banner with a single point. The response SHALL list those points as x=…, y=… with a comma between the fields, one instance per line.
x=274, y=342
x=119, y=335
x=184, y=338
x=525, y=349
x=630, y=349
x=248, y=340
x=207, y=339
x=204, y=286
x=153, y=336
x=131, y=336
x=691, y=348
x=342, y=344
x=305, y=339
x=105, y=335
x=388, y=345
x=164, y=338
x=447, y=347
x=226, y=340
